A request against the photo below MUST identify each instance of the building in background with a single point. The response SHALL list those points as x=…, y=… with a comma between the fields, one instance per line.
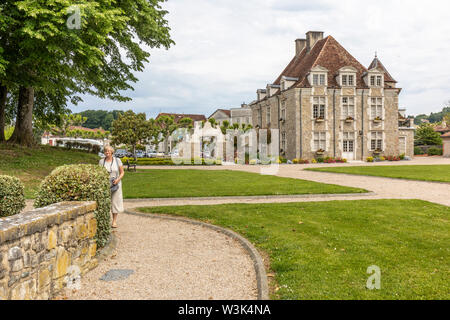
x=242, y=115
x=166, y=145
x=327, y=104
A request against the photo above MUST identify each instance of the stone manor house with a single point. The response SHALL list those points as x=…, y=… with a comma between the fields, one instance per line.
x=327, y=104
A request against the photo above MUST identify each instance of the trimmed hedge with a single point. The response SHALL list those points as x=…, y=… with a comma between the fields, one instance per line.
x=162, y=162
x=12, y=198
x=82, y=182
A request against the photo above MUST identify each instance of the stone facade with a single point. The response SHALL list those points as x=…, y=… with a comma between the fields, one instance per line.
x=240, y=116
x=44, y=250
x=446, y=145
x=328, y=105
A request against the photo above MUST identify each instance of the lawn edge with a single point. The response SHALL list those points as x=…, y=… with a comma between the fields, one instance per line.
x=258, y=264
x=368, y=175
x=260, y=197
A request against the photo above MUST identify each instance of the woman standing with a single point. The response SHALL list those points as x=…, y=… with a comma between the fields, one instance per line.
x=115, y=168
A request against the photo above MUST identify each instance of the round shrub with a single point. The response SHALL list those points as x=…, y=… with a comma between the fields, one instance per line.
x=418, y=151
x=12, y=198
x=435, y=152
x=82, y=182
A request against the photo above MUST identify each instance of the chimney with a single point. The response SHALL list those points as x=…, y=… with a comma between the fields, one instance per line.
x=311, y=38
x=299, y=45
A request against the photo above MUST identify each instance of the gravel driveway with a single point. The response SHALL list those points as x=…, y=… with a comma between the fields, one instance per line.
x=171, y=260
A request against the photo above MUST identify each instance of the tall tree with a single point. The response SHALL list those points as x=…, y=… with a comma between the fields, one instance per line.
x=131, y=129
x=42, y=53
x=425, y=135
x=167, y=126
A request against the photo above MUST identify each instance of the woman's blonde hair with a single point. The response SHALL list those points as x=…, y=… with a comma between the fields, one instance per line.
x=109, y=148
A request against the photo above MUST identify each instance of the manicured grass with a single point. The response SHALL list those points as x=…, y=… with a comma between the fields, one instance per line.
x=439, y=173
x=32, y=165
x=203, y=183
x=321, y=250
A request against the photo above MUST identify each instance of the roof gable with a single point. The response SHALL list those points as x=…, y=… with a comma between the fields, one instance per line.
x=328, y=54
x=376, y=64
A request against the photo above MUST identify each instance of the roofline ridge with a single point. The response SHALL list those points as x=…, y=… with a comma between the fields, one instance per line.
x=321, y=51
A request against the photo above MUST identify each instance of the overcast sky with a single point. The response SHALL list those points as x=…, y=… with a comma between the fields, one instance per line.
x=226, y=49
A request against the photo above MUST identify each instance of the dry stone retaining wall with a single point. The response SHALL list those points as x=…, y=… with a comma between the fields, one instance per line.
x=47, y=249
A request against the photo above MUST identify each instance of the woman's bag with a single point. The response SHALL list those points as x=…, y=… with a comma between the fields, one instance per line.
x=113, y=187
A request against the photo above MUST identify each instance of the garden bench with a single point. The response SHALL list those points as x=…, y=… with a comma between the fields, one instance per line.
x=130, y=166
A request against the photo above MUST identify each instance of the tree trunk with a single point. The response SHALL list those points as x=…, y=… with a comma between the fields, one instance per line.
x=23, y=131
x=3, y=94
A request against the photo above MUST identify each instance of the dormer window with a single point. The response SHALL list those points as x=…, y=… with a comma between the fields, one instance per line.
x=318, y=79
x=347, y=76
x=348, y=80
x=376, y=81
x=318, y=76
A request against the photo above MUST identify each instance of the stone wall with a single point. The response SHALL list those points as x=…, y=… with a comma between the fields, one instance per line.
x=446, y=147
x=47, y=249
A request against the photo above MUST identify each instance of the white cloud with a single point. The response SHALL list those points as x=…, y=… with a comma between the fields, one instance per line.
x=226, y=49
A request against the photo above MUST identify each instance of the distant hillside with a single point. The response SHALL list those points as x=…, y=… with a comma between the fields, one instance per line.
x=433, y=117
x=100, y=118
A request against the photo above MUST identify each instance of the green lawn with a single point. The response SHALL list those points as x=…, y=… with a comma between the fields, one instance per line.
x=203, y=183
x=439, y=173
x=321, y=250
x=31, y=166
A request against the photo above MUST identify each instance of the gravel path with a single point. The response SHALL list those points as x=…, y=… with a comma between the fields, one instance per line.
x=171, y=260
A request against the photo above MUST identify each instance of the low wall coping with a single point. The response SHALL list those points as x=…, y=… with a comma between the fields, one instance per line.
x=38, y=220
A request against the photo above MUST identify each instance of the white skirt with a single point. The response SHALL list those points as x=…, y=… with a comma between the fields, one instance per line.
x=117, y=200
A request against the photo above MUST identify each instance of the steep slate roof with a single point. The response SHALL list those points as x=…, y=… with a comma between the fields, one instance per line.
x=329, y=54
x=376, y=63
x=179, y=116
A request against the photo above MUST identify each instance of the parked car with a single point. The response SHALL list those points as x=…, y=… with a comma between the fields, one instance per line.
x=154, y=154
x=120, y=153
x=140, y=154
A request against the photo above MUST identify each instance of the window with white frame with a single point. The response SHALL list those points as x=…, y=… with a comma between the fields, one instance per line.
x=348, y=80
x=379, y=81
x=376, y=81
x=348, y=142
x=348, y=107
x=319, y=107
x=283, y=110
x=376, y=108
x=322, y=79
x=320, y=140
x=268, y=115
x=376, y=142
x=283, y=141
x=319, y=79
x=315, y=79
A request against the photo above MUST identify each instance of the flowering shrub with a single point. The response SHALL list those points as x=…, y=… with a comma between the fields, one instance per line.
x=300, y=161
x=393, y=158
x=369, y=159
